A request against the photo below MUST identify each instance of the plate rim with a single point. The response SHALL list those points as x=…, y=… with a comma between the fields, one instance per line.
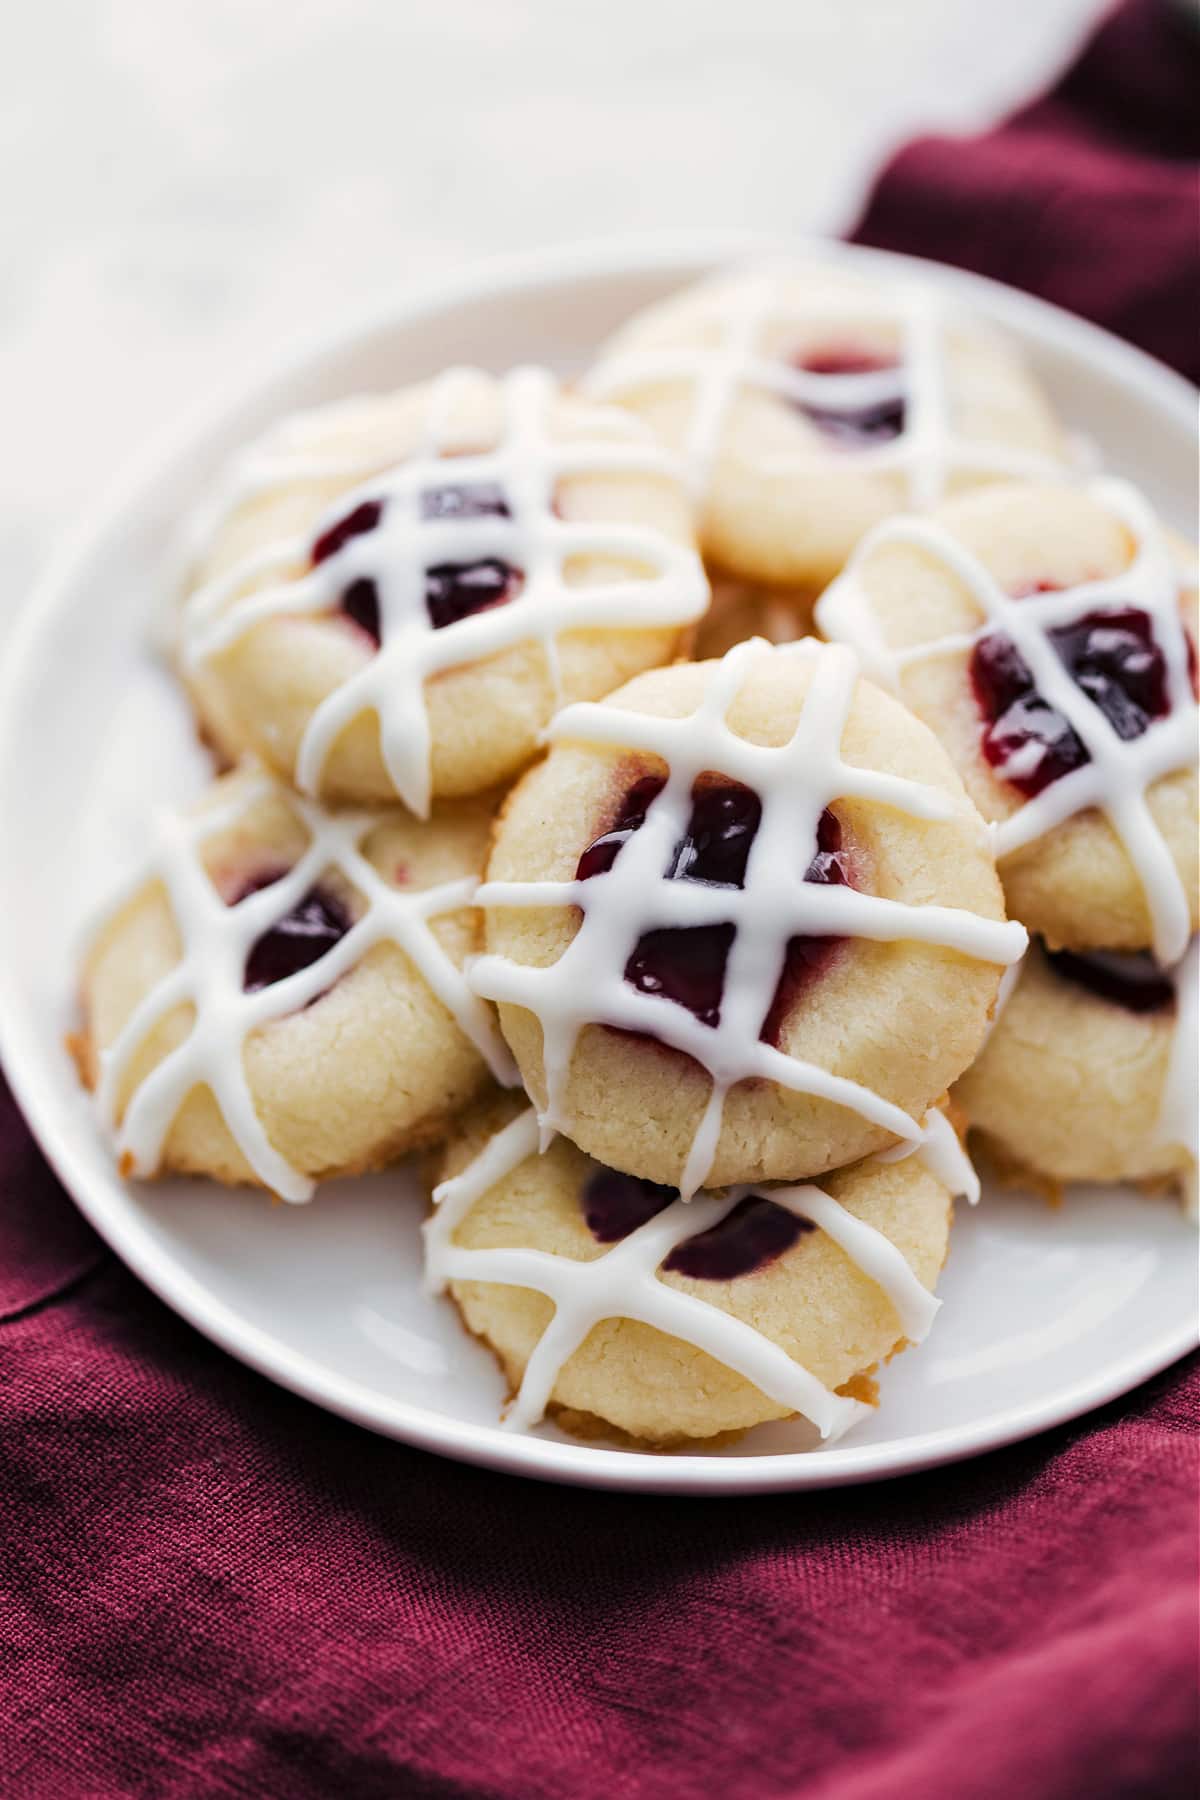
x=112, y=1211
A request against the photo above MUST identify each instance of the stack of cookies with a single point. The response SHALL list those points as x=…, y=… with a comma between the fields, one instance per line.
x=554, y=843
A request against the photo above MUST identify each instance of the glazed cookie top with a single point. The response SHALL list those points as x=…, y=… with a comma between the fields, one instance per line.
x=1040, y=632
x=271, y=900
x=876, y=392
x=683, y=871
x=619, y=1248
x=438, y=533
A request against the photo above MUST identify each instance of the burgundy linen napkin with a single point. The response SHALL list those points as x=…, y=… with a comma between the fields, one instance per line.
x=1089, y=197
x=208, y=1587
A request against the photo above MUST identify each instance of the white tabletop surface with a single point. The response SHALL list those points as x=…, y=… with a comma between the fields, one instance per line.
x=184, y=186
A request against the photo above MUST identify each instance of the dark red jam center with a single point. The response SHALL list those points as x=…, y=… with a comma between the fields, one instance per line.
x=615, y=1204
x=360, y=602
x=453, y=591
x=723, y=825
x=1110, y=655
x=752, y=1234
x=855, y=427
x=600, y=855
x=364, y=518
x=1133, y=981
x=297, y=940
x=806, y=956
x=687, y=963
x=748, y=1238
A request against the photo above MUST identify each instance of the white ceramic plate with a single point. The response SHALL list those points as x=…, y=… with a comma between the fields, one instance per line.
x=1047, y=1313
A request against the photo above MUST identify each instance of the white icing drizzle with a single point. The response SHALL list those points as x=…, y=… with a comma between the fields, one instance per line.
x=216, y=940
x=795, y=782
x=1178, y=1122
x=623, y=1283
x=283, y=457
x=927, y=451
x=1120, y=770
x=527, y=465
x=940, y=1148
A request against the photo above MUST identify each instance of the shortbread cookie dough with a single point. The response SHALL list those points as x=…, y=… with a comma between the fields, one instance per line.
x=1090, y=1071
x=1047, y=634
x=399, y=591
x=282, y=998
x=811, y=403
x=671, y=1321
x=743, y=923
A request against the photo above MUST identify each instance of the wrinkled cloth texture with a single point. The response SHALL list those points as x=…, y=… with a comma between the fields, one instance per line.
x=209, y=1587
x=1089, y=197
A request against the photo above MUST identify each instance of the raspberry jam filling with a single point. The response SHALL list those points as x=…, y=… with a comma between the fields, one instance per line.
x=807, y=956
x=302, y=937
x=358, y=523
x=1110, y=655
x=687, y=963
x=751, y=1235
x=855, y=427
x=1133, y=981
x=748, y=1238
x=453, y=590
x=600, y=855
x=615, y=1204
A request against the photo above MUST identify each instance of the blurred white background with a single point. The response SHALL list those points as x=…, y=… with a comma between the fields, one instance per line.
x=186, y=183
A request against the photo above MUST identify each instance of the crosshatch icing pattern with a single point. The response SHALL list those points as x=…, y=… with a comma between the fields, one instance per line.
x=390, y=532
x=795, y=783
